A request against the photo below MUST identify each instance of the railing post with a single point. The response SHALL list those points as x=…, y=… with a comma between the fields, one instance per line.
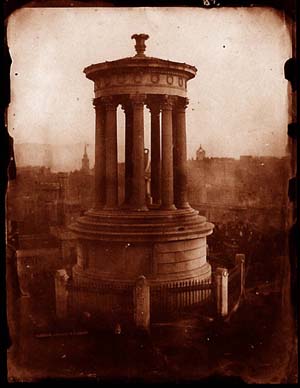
x=142, y=304
x=240, y=260
x=61, y=293
x=222, y=291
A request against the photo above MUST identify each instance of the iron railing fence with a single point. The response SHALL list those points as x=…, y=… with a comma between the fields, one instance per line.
x=166, y=299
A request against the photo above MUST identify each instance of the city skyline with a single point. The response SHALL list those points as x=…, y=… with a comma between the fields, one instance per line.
x=238, y=99
x=67, y=157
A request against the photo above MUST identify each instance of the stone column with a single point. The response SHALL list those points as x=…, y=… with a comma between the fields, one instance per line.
x=99, y=155
x=175, y=157
x=155, y=153
x=128, y=150
x=147, y=177
x=167, y=190
x=180, y=155
x=222, y=291
x=111, y=152
x=138, y=196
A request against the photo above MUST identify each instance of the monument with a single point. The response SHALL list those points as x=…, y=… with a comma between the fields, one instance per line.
x=163, y=238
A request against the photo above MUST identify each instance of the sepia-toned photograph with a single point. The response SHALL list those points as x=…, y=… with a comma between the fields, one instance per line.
x=148, y=219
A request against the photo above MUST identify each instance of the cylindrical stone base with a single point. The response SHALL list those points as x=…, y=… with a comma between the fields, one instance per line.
x=114, y=250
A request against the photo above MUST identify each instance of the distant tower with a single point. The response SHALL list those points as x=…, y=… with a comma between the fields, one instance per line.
x=85, y=163
x=200, y=154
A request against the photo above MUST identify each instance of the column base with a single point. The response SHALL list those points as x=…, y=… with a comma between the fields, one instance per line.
x=183, y=205
x=156, y=202
x=125, y=206
x=129, y=206
x=168, y=207
x=99, y=206
x=110, y=207
x=143, y=208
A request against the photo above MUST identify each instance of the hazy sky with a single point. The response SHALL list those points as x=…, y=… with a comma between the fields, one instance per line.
x=238, y=100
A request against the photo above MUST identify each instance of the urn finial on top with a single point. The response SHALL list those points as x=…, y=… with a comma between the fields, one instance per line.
x=140, y=46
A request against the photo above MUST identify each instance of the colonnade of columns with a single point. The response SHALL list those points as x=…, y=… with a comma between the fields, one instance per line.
x=168, y=152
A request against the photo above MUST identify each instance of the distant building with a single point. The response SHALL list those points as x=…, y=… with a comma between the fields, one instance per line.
x=37, y=254
x=41, y=205
x=248, y=189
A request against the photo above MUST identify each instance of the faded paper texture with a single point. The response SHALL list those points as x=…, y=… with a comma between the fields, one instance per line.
x=238, y=167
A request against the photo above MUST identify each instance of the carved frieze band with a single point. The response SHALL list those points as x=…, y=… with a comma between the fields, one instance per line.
x=140, y=78
x=154, y=78
x=170, y=79
x=121, y=78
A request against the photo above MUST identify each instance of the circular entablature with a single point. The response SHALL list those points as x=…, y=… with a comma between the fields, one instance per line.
x=140, y=82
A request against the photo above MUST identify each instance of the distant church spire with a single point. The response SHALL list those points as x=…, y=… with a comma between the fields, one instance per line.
x=200, y=154
x=85, y=162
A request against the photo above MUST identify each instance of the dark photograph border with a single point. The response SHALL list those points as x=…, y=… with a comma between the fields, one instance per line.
x=9, y=170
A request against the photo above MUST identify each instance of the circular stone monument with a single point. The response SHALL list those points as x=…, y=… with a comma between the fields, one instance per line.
x=162, y=238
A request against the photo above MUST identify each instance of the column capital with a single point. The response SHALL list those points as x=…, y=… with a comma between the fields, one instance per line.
x=98, y=102
x=168, y=102
x=109, y=102
x=137, y=99
x=154, y=107
x=154, y=104
x=125, y=102
x=126, y=106
x=182, y=103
